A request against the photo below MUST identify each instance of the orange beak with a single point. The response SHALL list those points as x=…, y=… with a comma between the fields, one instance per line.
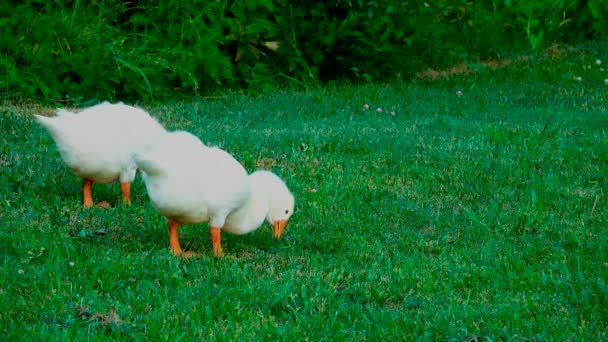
x=278, y=227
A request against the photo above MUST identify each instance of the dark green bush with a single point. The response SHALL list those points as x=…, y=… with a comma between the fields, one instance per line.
x=142, y=50
x=70, y=51
x=380, y=39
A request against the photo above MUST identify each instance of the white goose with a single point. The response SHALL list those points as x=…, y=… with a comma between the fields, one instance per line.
x=189, y=183
x=97, y=143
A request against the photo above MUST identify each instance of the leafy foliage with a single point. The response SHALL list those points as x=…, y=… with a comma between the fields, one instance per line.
x=143, y=50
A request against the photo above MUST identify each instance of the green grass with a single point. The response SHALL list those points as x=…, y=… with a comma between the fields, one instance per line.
x=461, y=217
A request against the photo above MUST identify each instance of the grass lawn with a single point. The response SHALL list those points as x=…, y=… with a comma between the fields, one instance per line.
x=474, y=217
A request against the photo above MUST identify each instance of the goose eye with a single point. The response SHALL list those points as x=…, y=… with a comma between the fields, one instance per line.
x=286, y=211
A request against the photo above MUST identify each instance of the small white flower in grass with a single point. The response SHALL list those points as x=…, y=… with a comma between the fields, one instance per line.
x=379, y=110
x=365, y=106
x=598, y=62
x=459, y=93
x=20, y=271
x=578, y=78
x=393, y=113
x=606, y=81
x=71, y=263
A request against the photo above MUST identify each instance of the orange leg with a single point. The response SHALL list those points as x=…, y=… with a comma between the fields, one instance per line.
x=216, y=241
x=87, y=189
x=176, y=249
x=126, y=192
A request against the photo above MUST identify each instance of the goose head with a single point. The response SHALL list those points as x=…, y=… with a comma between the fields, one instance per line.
x=280, y=201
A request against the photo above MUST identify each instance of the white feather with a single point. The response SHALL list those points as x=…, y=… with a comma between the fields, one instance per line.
x=191, y=183
x=98, y=142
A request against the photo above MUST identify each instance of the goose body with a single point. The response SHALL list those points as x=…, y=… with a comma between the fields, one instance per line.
x=190, y=183
x=97, y=143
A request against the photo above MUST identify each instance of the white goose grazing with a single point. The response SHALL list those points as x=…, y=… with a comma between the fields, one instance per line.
x=189, y=183
x=97, y=143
